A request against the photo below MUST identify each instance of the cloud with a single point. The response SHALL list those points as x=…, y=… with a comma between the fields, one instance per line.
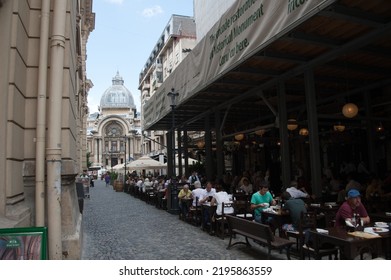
x=153, y=11
x=118, y=2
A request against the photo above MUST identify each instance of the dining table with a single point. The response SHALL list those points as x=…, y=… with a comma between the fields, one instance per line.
x=380, y=217
x=324, y=207
x=354, y=243
x=326, y=213
x=279, y=218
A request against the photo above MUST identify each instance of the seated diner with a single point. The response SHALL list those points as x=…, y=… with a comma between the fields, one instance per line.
x=261, y=200
x=351, y=209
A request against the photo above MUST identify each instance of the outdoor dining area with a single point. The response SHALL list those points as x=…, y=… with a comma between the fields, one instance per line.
x=316, y=235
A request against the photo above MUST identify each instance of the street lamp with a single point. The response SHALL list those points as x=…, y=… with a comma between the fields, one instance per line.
x=109, y=155
x=172, y=94
x=111, y=159
x=126, y=139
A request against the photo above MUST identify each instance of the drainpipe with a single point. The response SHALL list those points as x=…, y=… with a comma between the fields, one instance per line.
x=54, y=149
x=41, y=116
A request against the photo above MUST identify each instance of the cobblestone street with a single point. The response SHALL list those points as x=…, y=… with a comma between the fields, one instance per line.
x=118, y=226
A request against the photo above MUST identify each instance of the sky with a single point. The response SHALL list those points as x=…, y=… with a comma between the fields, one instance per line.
x=125, y=33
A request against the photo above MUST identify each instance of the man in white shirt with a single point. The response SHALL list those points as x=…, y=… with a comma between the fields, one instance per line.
x=208, y=193
x=206, y=196
x=295, y=192
x=222, y=197
x=197, y=193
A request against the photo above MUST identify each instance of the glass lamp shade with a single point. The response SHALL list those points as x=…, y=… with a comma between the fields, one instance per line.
x=350, y=110
x=260, y=132
x=239, y=137
x=292, y=124
x=303, y=131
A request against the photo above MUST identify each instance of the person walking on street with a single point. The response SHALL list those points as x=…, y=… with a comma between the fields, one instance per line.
x=107, y=179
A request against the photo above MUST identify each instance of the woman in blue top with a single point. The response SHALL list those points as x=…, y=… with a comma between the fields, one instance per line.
x=261, y=200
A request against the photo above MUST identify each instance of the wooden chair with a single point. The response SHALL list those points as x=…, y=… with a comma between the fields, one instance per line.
x=221, y=221
x=329, y=218
x=195, y=214
x=297, y=235
x=243, y=210
x=150, y=196
x=308, y=221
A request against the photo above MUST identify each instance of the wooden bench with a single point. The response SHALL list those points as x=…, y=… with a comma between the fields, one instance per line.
x=260, y=233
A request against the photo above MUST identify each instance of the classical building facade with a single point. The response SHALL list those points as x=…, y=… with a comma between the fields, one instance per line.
x=43, y=100
x=113, y=133
x=176, y=41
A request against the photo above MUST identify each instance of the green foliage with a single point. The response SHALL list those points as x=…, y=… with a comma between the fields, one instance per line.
x=113, y=175
x=89, y=163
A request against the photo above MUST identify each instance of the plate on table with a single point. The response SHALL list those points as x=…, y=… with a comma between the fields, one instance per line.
x=330, y=204
x=321, y=230
x=381, y=224
x=269, y=210
x=375, y=229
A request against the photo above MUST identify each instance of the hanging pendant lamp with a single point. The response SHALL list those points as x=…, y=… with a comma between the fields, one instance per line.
x=304, y=131
x=292, y=124
x=350, y=110
x=239, y=137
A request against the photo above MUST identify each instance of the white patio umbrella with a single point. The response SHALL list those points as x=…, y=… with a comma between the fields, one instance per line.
x=145, y=162
x=119, y=166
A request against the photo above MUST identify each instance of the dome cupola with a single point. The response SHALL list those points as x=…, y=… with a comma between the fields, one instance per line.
x=117, y=96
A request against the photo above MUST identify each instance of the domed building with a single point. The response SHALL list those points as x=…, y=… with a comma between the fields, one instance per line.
x=117, y=96
x=114, y=133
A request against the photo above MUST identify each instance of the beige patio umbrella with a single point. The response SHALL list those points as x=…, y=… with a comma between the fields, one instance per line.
x=119, y=166
x=145, y=162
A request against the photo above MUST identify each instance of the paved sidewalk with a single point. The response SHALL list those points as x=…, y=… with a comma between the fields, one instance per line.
x=118, y=226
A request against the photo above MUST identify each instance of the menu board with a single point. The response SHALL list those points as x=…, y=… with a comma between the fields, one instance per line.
x=23, y=243
x=86, y=185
